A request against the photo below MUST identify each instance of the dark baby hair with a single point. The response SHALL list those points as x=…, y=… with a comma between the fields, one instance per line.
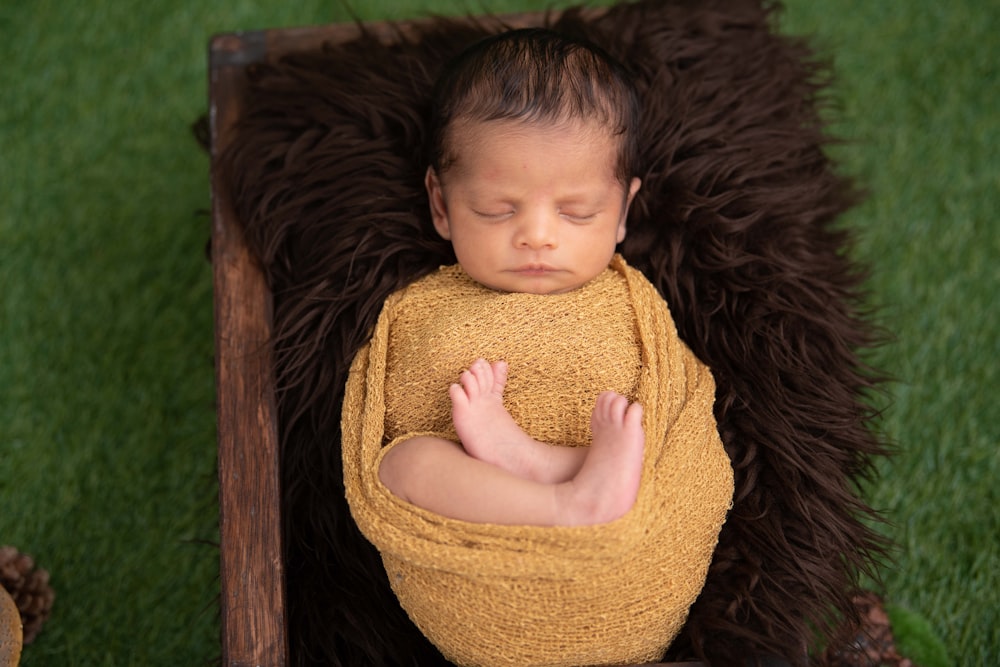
x=535, y=75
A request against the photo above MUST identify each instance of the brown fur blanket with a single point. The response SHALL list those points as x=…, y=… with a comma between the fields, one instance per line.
x=735, y=225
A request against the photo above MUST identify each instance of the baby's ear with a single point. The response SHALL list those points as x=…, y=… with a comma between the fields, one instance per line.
x=439, y=210
x=633, y=188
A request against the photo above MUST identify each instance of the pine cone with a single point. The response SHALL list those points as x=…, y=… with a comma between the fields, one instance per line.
x=872, y=645
x=29, y=587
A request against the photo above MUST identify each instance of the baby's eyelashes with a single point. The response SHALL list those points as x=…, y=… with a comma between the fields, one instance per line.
x=572, y=216
x=578, y=217
x=493, y=215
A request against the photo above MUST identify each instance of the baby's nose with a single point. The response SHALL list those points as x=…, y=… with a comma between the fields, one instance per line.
x=538, y=231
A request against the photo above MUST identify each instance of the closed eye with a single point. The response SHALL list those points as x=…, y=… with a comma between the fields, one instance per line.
x=493, y=215
x=578, y=217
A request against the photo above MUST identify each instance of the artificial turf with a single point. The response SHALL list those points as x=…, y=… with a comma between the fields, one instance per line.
x=107, y=431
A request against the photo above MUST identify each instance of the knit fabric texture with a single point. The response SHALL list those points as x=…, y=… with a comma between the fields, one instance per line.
x=486, y=594
x=548, y=342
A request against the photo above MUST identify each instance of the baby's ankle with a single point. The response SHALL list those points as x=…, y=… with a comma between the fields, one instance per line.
x=584, y=504
x=541, y=463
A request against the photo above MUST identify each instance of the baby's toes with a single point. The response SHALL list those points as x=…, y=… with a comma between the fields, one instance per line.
x=484, y=375
x=499, y=371
x=633, y=417
x=469, y=382
x=459, y=395
x=477, y=379
x=611, y=407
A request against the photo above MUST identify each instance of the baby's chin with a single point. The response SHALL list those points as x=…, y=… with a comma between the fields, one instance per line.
x=541, y=284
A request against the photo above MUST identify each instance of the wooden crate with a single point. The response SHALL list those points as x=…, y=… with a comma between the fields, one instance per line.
x=253, y=605
x=252, y=602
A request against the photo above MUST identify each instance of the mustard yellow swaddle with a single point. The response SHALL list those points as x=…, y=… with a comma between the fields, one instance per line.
x=486, y=594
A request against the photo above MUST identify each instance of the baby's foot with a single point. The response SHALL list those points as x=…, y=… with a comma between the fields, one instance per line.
x=608, y=482
x=484, y=426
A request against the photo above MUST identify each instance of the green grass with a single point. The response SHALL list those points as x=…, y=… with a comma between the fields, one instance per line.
x=919, y=89
x=107, y=429
x=917, y=639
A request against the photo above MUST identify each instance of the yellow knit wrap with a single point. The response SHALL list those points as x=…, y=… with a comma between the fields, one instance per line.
x=486, y=594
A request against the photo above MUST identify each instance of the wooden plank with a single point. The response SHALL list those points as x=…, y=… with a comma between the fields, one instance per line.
x=251, y=566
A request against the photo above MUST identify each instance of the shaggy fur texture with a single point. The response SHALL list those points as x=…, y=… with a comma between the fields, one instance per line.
x=735, y=225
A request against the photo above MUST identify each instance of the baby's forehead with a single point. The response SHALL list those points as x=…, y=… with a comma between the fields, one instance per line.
x=467, y=135
x=485, y=154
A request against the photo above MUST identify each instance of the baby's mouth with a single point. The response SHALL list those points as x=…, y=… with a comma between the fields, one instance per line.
x=535, y=269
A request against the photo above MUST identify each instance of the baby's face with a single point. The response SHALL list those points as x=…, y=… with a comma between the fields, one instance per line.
x=531, y=207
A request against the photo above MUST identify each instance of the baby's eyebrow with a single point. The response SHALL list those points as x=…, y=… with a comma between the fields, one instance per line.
x=491, y=196
x=583, y=198
x=580, y=197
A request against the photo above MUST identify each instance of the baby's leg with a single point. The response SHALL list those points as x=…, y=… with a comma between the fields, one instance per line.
x=607, y=484
x=485, y=428
x=490, y=434
x=440, y=476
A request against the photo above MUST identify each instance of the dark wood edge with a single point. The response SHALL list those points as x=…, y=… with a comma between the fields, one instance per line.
x=252, y=603
x=244, y=48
